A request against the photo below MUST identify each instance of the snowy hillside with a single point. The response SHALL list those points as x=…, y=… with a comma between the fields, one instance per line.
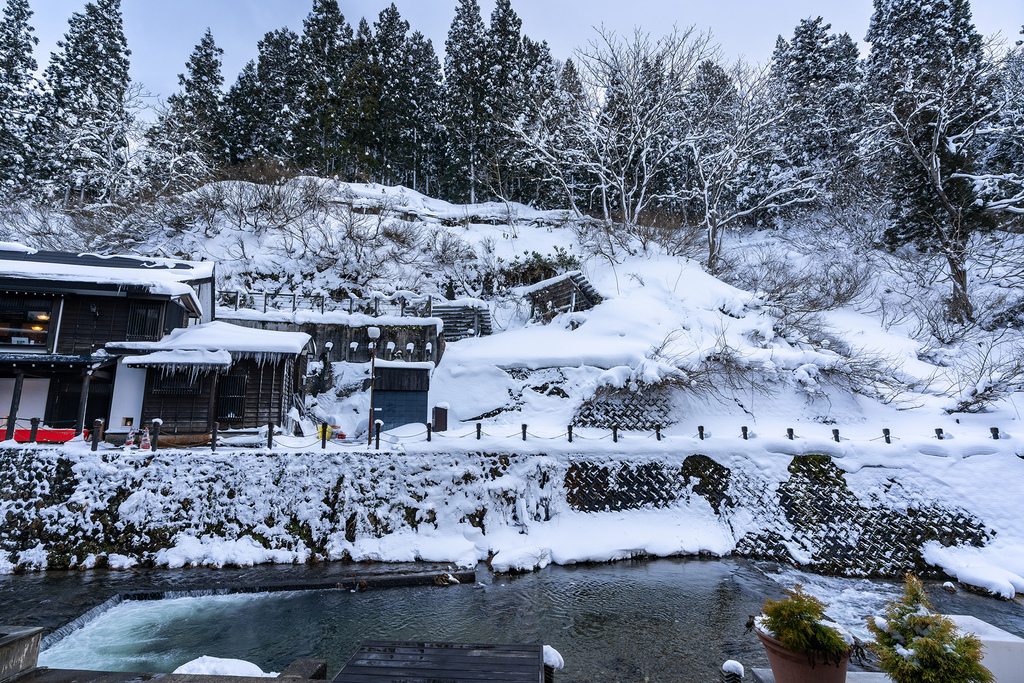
x=812, y=322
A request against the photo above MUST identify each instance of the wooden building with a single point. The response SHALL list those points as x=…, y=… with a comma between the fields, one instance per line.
x=565, y=293
x=400, y=393
x=59, y=310
x=239, y=377
x=127, y=340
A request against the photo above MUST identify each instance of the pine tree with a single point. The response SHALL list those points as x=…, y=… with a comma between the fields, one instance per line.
x=503, y=96
x=186, y=136
x=324, y=55
x=395, y=99
x=92, y=101
x=931, y=90
x=22, y=126
x=359, y=102
x=817, y=80
x=199, y=103
x=465, y=114
x=425, y=138
x=246, y=136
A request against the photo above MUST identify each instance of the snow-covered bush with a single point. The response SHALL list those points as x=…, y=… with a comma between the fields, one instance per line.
x=916, y=645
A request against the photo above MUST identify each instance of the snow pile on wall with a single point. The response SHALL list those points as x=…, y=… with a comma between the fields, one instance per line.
x=519, y=511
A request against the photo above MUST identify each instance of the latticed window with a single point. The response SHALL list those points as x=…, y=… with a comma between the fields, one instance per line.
x=144, y=320
x=231, y=398
x=177, y=384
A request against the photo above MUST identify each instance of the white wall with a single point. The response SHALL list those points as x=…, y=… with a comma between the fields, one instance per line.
x=33, y=400
x=126, y=399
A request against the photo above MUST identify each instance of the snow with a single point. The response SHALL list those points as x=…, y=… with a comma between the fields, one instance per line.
x=181, y=359
x=216, y=666
x=553, y=658
x=158, y=276
x=998, y=568
x=216, y=335
x=731, y=666
x=343, y=318
x=210, y=551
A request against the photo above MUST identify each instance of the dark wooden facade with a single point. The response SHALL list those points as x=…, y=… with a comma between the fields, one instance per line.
x=190, y=403
x=88, y=322
x=562, y=294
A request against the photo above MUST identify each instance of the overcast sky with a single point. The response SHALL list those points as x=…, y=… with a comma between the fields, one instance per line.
x=162, y=33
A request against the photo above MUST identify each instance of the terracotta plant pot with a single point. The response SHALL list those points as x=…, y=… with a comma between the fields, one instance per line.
x=793, y=667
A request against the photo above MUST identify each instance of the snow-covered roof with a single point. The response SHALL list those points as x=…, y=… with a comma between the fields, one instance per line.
x=180, y=358
x=162, y=276
x=238, y=341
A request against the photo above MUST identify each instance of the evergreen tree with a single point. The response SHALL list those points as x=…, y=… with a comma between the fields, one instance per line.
x=22, y=126
x=198, y=105
x=465, y=114
x=392, y=60
x=92, y=101
x=324, y=55
x=503, y=96
x=817, y=81
x=187, y=135
x=247, y=135
x=359, y=101
x=425, y=138
x=932, y=93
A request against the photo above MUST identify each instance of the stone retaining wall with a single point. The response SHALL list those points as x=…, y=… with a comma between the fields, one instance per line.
x=73, y=503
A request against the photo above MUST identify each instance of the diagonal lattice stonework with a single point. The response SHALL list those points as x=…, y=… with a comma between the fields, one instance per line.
x=645, y=409
x=812, y=517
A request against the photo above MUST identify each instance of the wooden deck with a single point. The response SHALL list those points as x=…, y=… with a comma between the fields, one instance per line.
x=378, y=661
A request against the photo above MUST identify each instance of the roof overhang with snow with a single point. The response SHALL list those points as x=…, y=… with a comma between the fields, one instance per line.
x=56, y=271
x=214, y=345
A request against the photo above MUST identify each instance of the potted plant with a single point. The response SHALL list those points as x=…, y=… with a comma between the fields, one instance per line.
x=802, y=645
x=916, y=645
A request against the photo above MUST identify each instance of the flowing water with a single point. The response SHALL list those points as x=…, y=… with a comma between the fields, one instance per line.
x=661, y=620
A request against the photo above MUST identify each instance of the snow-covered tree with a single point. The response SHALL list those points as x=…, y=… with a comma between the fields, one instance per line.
x=89, y=155
x=426, y=133
x=22, y=126
x=324, y=55
x=199, y=102
x=932, y=95
x=465, y=113
x=503, y=96
x=734, y=164
x=817, y=79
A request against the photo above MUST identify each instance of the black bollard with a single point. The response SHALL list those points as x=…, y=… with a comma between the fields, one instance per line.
x=744, y=430
x=657, y=432
x=323, y=436
x=270, y=436
x=479, y=429
x=994, y=430
x=524, y=432
x=835, y=435
x=700, y=432
x=213, y=436
x=95, y=436
x=615, y=434
x=939, y=434
x=789, y=433
x=155, y=434
x=570, y=433
x=34, y=433
x=429, y=430
x=887, y=436
x=376, y=438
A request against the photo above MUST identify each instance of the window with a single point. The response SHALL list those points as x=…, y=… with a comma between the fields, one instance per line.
x=144, y=320
x=231, y=398
x=25, y=320
x=177, y=384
